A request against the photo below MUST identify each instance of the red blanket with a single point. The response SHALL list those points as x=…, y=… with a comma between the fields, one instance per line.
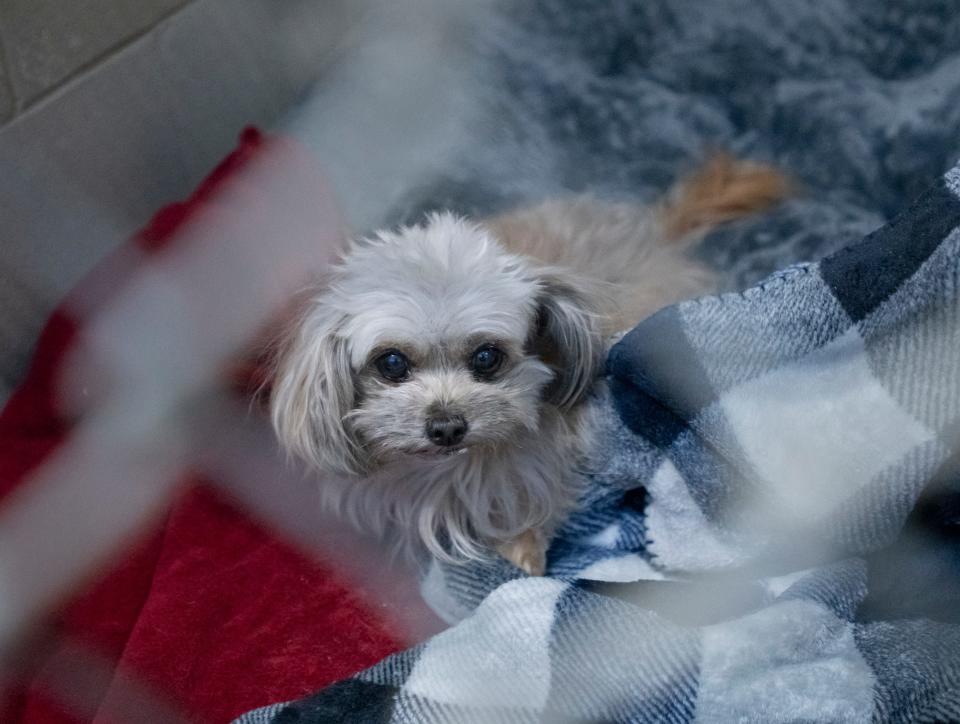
x=205, y=614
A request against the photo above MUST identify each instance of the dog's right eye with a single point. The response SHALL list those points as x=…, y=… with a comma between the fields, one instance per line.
x=393, y=366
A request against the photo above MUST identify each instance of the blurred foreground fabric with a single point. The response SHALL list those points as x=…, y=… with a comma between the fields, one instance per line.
x=208, y=610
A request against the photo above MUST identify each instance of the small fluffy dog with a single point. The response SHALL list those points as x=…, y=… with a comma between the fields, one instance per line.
x=441, y=370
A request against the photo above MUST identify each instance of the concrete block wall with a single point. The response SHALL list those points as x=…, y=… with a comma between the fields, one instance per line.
x=46, y=43
x=111, y=108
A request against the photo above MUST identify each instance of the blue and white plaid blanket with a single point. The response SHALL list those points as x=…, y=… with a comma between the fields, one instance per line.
x=743, y=550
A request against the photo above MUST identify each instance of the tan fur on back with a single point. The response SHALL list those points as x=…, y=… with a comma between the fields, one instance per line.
x=641, y=255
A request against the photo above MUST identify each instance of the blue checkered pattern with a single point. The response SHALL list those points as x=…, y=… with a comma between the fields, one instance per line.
x=753, y=452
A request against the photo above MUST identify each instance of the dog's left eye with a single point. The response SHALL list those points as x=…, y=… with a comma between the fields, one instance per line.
x=393, y=365
x=486, y=360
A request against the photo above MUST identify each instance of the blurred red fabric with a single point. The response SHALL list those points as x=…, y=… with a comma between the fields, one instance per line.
x=208, y=615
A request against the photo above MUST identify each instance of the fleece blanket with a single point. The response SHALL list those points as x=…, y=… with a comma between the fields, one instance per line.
x=753, y=449
x=859, y=100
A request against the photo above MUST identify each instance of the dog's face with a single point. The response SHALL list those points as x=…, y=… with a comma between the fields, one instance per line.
x=431, y=342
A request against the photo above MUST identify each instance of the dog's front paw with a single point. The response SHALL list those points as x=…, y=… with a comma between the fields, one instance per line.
x=528, y=551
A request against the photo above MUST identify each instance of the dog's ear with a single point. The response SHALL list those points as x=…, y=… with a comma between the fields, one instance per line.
x=568, y=335
x=312, y=391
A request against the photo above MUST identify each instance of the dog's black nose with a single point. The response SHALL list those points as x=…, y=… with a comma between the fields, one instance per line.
x=446, y=430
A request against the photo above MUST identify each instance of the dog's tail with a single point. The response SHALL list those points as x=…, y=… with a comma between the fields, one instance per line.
x=723, y=189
